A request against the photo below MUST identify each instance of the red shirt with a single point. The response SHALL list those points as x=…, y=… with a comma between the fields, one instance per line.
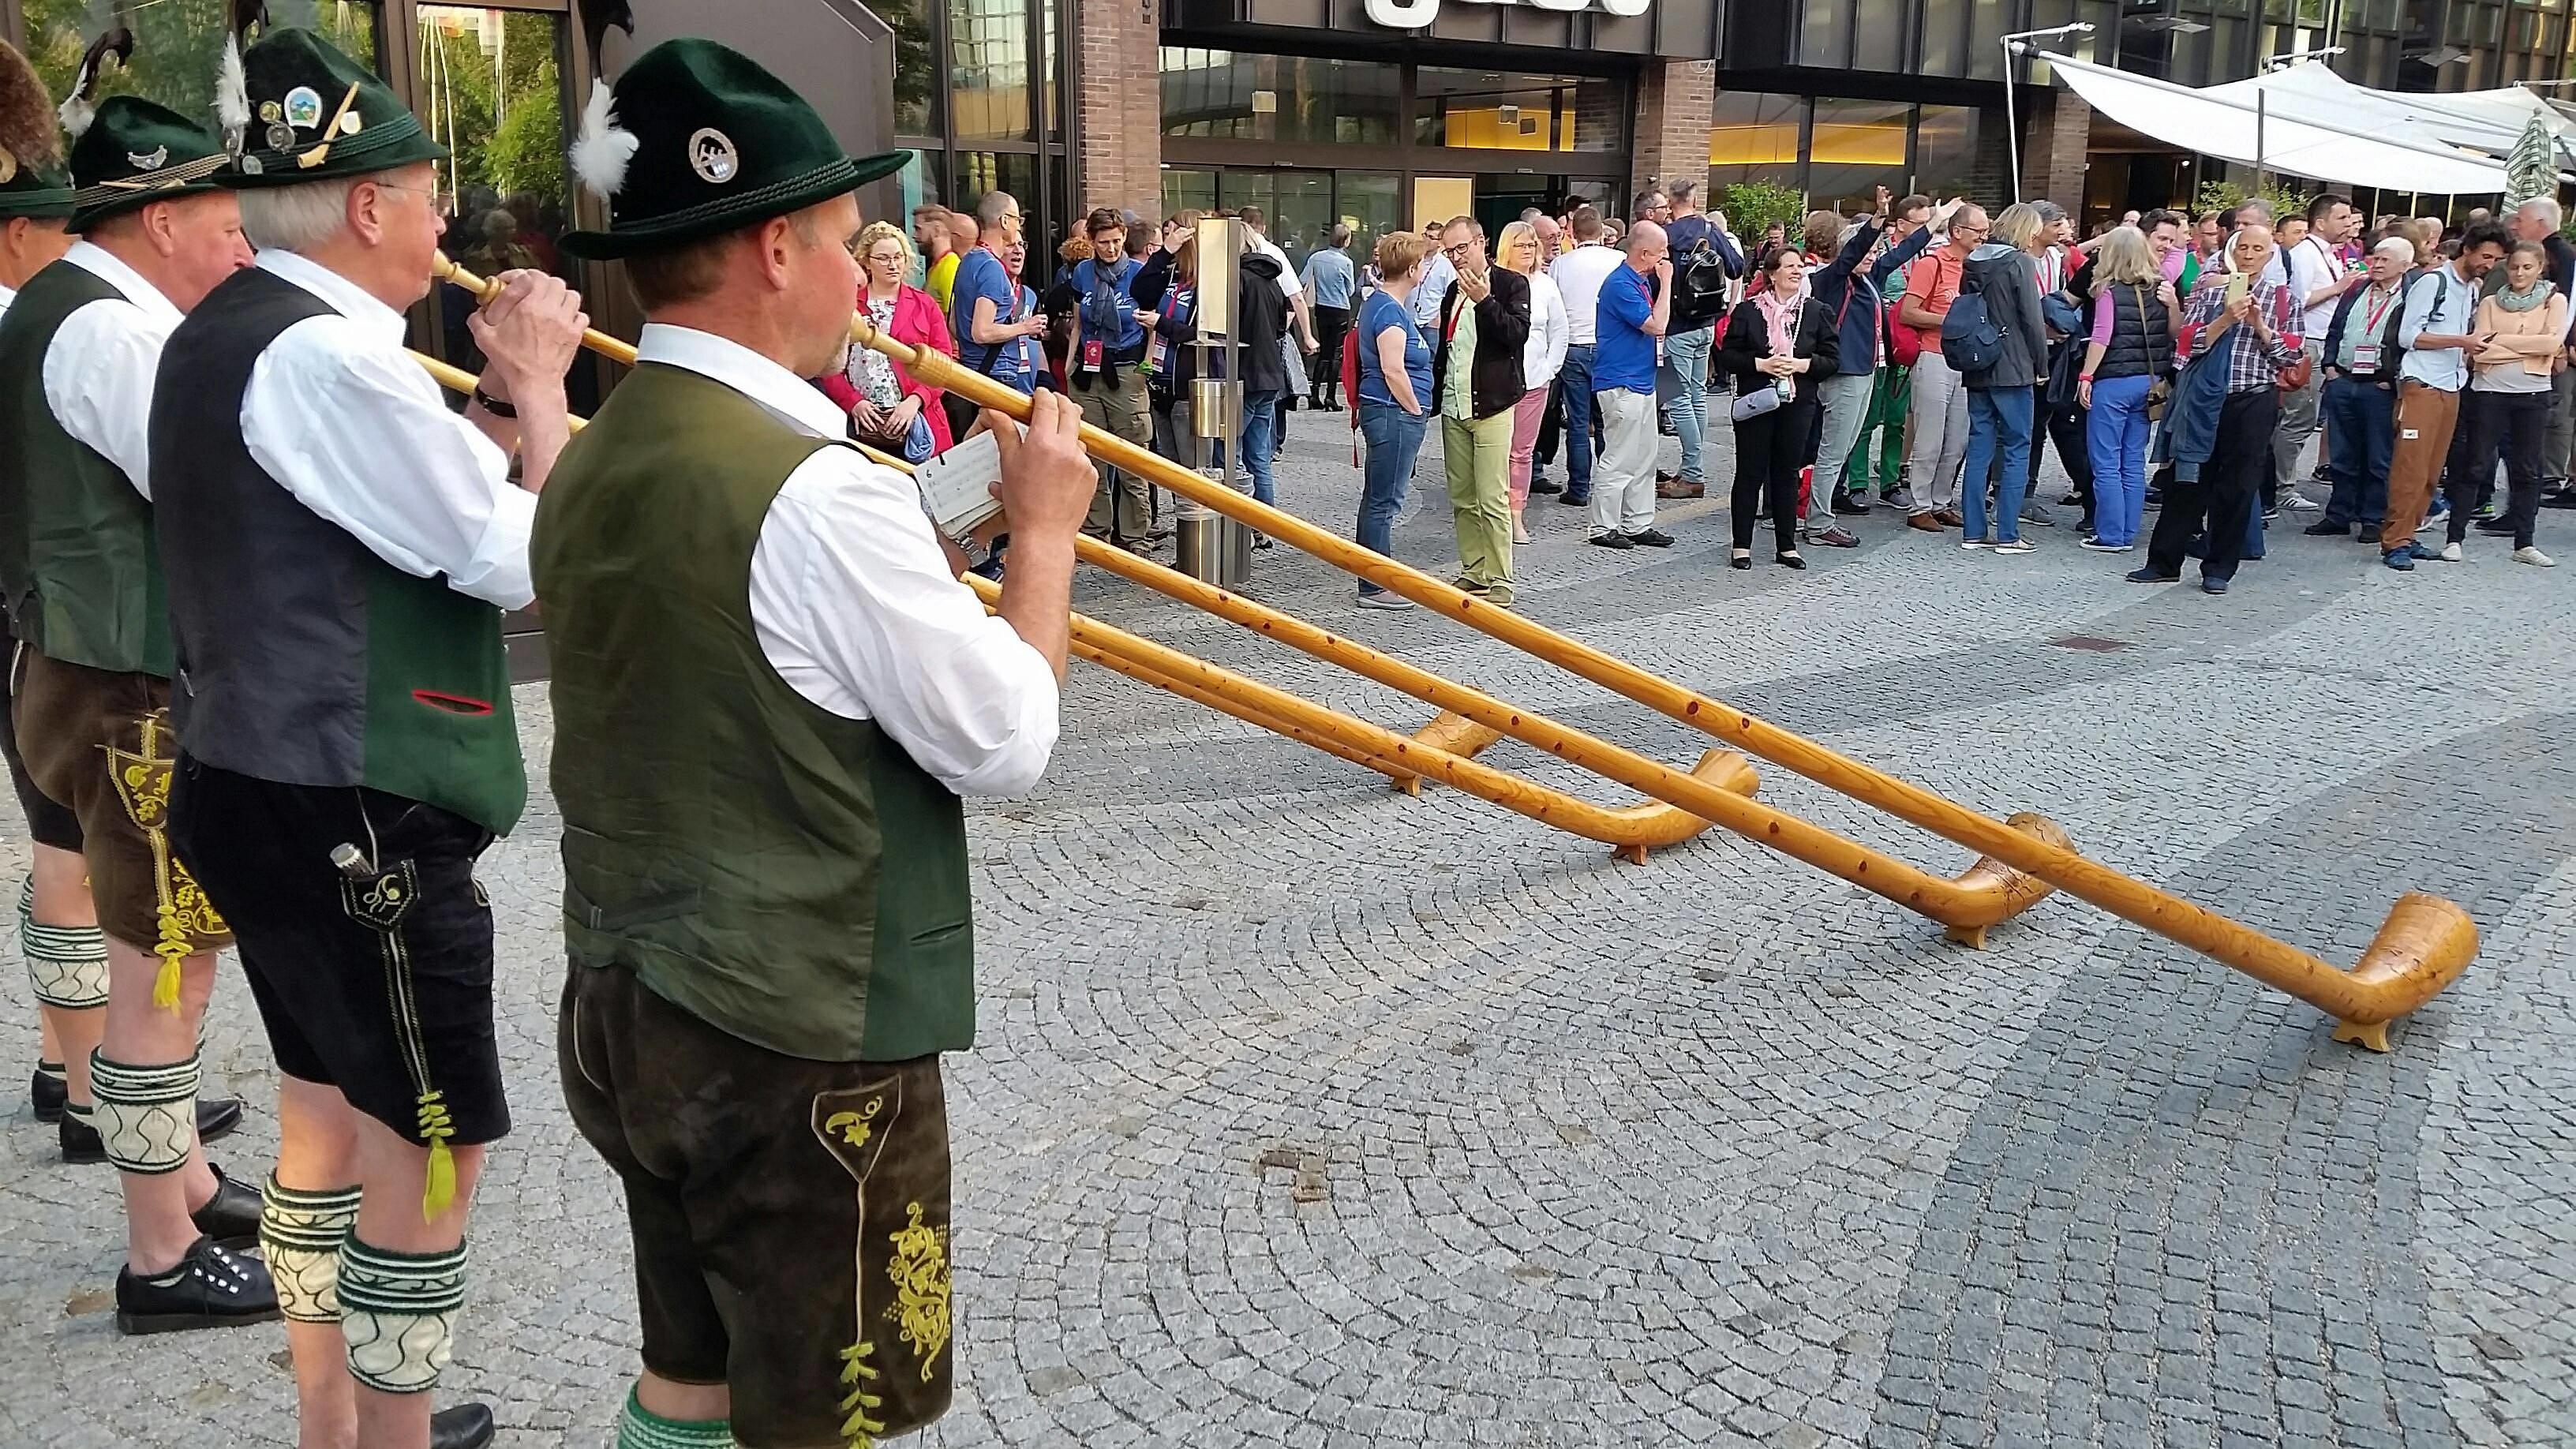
x=1934, y=285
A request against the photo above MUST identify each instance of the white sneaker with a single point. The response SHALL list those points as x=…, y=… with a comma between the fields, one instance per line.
x=2534, y=557
x=1973, y=544
x=1385, y=601
x=2018, y=545
x=2451, y=553
x=2298, y=502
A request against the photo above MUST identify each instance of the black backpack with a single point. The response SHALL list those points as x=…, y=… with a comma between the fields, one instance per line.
x=1699, y=289
x=1971, y=339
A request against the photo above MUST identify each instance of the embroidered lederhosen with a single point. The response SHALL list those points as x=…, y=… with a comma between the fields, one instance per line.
x=101, y=743
x=901, y=1347
x=379, y=902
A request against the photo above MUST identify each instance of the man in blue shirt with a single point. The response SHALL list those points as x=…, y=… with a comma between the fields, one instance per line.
x=990, y=315
x=1636, y=302
x=1330, y=281
x=1108, y=342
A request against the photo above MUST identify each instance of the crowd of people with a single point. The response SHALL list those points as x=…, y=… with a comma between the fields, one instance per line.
x=2178, y=365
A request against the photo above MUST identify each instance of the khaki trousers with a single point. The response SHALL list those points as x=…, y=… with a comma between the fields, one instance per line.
x=1128, y=412
x=1477, y=456
x=2425, y=418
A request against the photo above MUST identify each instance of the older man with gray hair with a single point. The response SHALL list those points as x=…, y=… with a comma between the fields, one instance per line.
x=2538, y=220
x=339, y=547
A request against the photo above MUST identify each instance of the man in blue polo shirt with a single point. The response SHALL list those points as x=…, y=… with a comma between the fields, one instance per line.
x=1636, y=302
x=994, y=319
x=1107, y=344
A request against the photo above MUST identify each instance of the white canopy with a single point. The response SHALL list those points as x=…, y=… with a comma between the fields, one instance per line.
x=2328, y=129
x=2486, y=121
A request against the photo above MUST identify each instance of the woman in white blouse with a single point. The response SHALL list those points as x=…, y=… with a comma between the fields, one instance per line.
x=1540, y=359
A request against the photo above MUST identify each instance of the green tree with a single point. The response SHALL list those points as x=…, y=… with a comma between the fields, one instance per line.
x=1751, y=207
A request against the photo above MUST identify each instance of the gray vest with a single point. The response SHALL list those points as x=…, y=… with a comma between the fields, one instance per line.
x=302, y=657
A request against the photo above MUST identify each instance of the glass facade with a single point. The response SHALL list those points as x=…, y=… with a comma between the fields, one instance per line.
x=1239, y=96
x=977, y=84
x=1838, y=151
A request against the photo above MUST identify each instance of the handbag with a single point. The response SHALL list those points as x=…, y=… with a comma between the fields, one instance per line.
x=1750, y=405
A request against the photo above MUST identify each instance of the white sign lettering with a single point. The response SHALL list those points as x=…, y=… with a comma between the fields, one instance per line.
x=1416, y=14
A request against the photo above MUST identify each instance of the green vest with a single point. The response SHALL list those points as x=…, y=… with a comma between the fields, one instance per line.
x=77, y=555
x=776, y=870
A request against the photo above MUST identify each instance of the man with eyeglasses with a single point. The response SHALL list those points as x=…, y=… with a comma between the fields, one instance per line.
x=1939, y=405
x=340, y=546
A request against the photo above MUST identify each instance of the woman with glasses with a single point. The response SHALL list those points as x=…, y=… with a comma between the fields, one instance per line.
x=888, y=410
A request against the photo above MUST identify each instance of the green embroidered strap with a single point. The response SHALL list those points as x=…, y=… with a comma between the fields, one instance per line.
x=641, y=1428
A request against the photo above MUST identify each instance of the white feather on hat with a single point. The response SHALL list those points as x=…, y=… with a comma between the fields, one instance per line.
x=600, y=154
x=232, y=93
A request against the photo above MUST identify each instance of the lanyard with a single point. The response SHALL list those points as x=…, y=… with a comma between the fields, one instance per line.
x=2370, y=319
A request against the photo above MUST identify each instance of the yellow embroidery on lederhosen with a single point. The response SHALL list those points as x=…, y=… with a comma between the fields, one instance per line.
x=180, y=907
x=920, y=1274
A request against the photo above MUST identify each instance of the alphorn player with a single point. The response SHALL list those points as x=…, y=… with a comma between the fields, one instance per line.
x=57, y=925
x=78, y=354
x=770, y=690
x=340, y=547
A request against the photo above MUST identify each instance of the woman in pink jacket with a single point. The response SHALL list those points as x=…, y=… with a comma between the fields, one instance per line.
x=888, y=410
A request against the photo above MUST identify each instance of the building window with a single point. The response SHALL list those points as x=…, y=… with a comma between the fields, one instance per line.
x=1824, y=41
x=1487, y=110
x=1855, y=148
x=988, y=69
x=916, y=68
x=1233, y=95
x=1945, y=151
x=1755, y=138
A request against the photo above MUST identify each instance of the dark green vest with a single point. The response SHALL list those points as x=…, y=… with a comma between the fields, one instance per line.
x=780, y=872
x=77, y=555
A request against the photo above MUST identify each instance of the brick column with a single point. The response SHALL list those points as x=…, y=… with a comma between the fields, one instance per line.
x=1118, y=105
x=1676, y=103
x=2056, y=128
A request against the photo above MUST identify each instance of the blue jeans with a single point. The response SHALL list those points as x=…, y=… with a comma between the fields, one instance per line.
x=1260, y=439
x=1394, y=439
x=2361, y=433
x=1574, y=384
x=1687, y=355
x=1998, y=422
x=2116, y=435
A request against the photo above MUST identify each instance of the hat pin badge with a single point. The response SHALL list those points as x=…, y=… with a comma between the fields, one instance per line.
x=303, y=108
x=152, y=160
x=712, y=155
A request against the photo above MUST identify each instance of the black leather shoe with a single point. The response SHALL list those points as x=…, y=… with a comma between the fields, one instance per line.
x=1546, y=485
x=48, y=1092
x=1576, y=500
x=1850, y=507
x=82, y=1145
x=462, y=1426
x=2323, y=529
x=231, y=1216
x=1611, y=540
x=1651, y=538
x=212, y=1287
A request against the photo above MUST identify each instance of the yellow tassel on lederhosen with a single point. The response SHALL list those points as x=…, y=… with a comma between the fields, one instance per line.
x=440, y=1191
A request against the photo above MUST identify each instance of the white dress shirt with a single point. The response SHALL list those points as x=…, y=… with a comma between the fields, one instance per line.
x=1437, y=274
x=1579, y=275
x=854, y=604
x=100, y=365
x=351, y=425
x=2313, y=264
x=1544, y=353
x=8, y=294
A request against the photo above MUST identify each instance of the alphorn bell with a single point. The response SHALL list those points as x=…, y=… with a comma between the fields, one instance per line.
x=2424, y=944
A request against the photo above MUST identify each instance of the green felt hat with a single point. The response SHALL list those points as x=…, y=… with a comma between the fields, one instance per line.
x=697, y=140
x=135, y=152
x=32, y=182
x=306, y=112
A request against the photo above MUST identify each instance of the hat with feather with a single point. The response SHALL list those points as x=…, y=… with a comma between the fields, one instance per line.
x=311, y=113
x=32, y=182
x=697, y=139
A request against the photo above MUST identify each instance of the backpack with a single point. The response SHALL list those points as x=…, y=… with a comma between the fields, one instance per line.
x=1971, y=340
x=1699, y=289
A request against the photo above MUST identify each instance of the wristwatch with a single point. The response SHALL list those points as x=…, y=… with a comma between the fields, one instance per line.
x=494, y=405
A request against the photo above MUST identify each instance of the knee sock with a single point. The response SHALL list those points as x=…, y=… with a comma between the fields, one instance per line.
x=398, y=1314
x=641, y=1428
x=67, y=965
x=300, y=1234
x=146, y=1115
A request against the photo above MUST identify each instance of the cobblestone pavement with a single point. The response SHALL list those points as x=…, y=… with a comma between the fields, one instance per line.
x=1306, y=1114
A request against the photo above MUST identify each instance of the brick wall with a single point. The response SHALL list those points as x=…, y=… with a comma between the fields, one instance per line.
x=1676, y=101
x=1118, y=105
x=2055, y=131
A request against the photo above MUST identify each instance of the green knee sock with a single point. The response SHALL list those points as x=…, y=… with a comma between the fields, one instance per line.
x=641, y=1428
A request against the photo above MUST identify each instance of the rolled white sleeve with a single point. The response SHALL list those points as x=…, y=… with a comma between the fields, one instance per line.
x=360, y=435
x=855, y=607
x=98, y=382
